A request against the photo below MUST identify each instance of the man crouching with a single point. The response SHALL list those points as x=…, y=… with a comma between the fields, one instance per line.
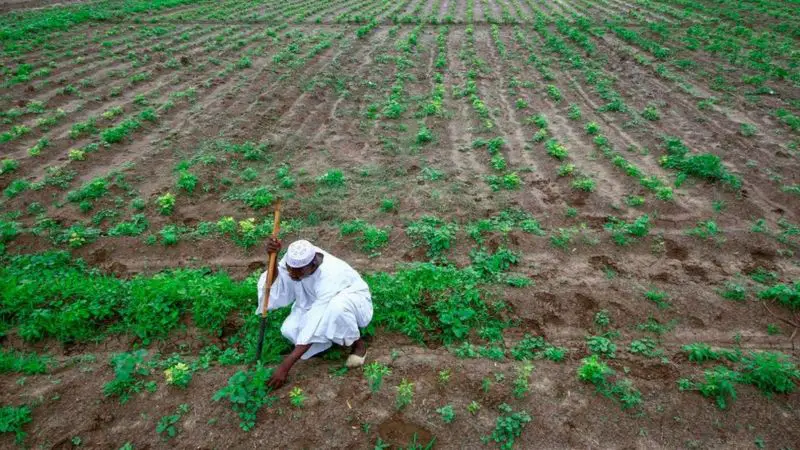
x=331, y=303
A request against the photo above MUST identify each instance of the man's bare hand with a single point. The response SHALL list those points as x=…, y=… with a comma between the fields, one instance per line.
x=278, y=378
x=273, y=245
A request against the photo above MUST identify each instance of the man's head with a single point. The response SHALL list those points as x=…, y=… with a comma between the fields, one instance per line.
x=302, y=259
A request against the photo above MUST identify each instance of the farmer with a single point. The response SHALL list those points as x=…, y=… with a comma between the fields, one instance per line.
x=331, y=303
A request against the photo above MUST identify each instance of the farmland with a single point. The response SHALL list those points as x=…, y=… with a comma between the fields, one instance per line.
x=579, y=220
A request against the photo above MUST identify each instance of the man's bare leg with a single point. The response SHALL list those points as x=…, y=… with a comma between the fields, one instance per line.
x=282, y=371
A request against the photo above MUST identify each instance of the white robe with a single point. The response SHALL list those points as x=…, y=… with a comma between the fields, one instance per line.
x=329, y=306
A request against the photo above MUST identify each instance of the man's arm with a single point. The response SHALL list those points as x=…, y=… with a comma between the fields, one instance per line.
x=282, y=371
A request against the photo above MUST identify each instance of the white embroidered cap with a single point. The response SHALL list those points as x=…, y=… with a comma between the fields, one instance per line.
x=300, y=254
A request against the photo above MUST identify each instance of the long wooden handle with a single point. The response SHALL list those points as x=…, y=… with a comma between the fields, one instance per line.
x=276, y=228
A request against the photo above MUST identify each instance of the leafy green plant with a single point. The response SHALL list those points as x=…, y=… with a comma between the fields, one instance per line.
x=8, y=165
x=771, y=372
x=447, y=413
x=748, y=129
x=658, y=297
x=333, y=178
x=645, y=347
x=785, y=294
x=405, y=394
x=522, y=382
x=508, y=426
x=247, y=392
x=733, y=291
x=705, y=230
x=435, y=233
x=703, y=165
x=166, y=204
x=166, y=425
x=178, y=375
x=297, y=397
x=473, y=407
x=374, y=373
x=186, y=181
x=650, y=112
x=574, y=112
x=601, y=345
x=12, y=419
x=596, y=372
x=585, y=184
x=621, y=231
x=718, y=383
x=24, y=363
x=370, y=239
x=554, y=93
x=388, y=205
x=556, y=149
x=592, y=128
x=129, y=368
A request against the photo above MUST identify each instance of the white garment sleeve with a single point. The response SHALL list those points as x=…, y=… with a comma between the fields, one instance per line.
x=279, y=293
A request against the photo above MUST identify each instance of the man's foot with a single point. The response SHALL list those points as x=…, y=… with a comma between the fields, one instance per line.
x=359, y=348
x=358, y=354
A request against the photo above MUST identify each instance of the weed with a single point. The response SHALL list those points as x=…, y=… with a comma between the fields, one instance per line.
x=447, y=413
x=508, y=426
x=788, y=295
x=248, y=392
x=634, y=200
x=24, y=363
x=658, y=297
x=374, y=373
x=718, y=383
x=166, y=425
x=405, y=394
x=12, y=419
x=771, y=372
x=333, y=178
x=129, y=368
x=704, y=165
x=473, y=407
x=562, y=237
x=437, y=234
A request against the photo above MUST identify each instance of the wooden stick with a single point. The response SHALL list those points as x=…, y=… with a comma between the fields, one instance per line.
x=276, y=226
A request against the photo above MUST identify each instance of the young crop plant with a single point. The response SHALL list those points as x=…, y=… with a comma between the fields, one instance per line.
x=522, y=381
x=584, y=183
x=748, y=130
x=166, y=425
x=705, y=230
x=566, y=169
x=248, y=392
x=297, y=397
x=592, y=128
x=8, y=165
x=601, y=345
x=12, y=419
x=76, y=154
x=166, y=204
x=770, y=372
x=556, y=149
x=388, y=205
x=733, y=291
x=521, y=103
x=40, y=145
x=129, y=368
x=574, y=112
x=424, y=135
x=658, y=297
x=333, y=178
x=718, y=383
x=444, y=376
x=447, y=413
x=24, y=363
x=554, y=93
x=370, y=239
x=405, y=394
x=562, y=237
x=596, y=372
x=186, y=181
x=621, y=231
x=785, y=294
x=508, y=427
x=646, y=347
x=374, y=372
x=473, y=407
x=433, y=232
x=704, y=165
x=651, y=113
x=179, y=375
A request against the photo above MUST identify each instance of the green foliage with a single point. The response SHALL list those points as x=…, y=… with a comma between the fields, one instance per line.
x=333, y=178
x=601, y=345
x=718, y=383
x=433, y=232
x=522, y=380
x=119, y=132
x=645, y=347
x=24, y=363
x=748, y=130
x=8, y=165
x=556, y=149
x=733, y=291
x=166, y=425
x=585, y=184
x=405, y=394
x=388, y=205
x=129, y=368
x=186, y=181
x=596, y=372
x=574, y=112
x=92, y=190
x=297, y=397
x=509, y=426
x=178, y=374
x=535, y=347
x=658, y=297
x=621, y=231
x=8, y=231
x=554, y=93
x=247, y=392
x=424, y=135
x=166, y=204
x=12, y=419
x=374, y=373
x=705, y=165
x=592, y=128
x=256, y=198
x=137, y=225
x=602, y=319
x=785, y=294
x=447, y=413
x=771, y=372
x=76, y=236
x=16, y=187
x=705, y=230
x=370, y=239
x=650, y=112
